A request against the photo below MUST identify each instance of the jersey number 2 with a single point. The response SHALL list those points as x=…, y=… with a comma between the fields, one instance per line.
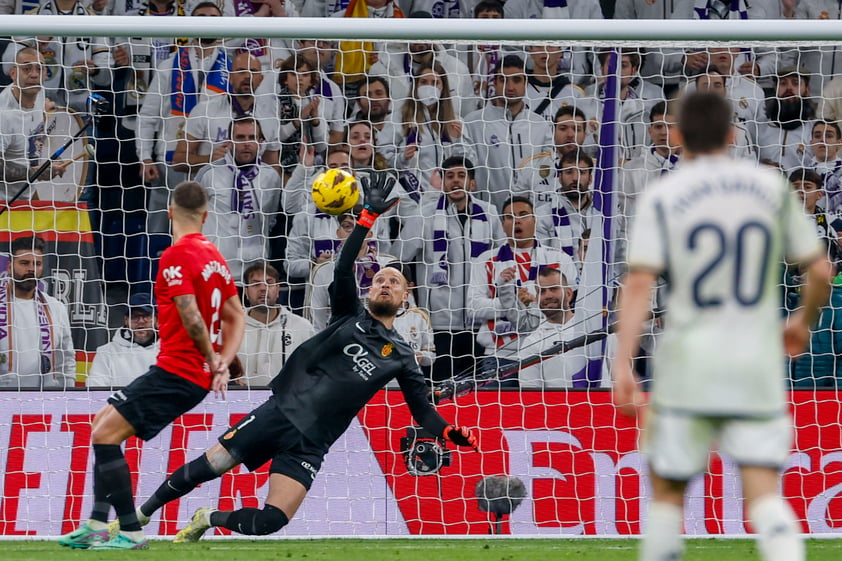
x=748, y=253
x=216, y=304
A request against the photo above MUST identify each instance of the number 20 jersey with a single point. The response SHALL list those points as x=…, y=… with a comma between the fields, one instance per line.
x=193, y=265
x=719, y=231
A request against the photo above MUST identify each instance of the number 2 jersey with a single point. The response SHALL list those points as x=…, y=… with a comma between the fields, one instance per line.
x=719, y=231
x=193, y=265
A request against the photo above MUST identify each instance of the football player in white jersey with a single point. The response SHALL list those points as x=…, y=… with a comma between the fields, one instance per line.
x=718, y=230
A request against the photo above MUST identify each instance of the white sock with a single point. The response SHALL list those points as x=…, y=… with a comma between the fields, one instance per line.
x=663, y=536
x=96, y=525
x=136, y=536
x=778, y=533
x=142, y=518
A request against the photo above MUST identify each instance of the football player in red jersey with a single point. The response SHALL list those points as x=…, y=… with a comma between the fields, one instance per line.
x=201, y=324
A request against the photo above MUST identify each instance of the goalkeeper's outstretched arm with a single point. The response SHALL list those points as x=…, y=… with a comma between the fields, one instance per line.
x=343, y=290
x=415, y=392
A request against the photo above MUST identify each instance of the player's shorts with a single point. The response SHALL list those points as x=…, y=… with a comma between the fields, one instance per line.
x=156, y=399
x=267, y=433
x=677, y=445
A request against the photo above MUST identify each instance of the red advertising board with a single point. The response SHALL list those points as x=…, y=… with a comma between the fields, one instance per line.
x=576, y=457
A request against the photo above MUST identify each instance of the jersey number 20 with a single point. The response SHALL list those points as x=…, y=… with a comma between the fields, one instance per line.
x=746, y=253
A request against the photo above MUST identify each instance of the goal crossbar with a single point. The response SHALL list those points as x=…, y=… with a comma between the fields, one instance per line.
x=650, y=32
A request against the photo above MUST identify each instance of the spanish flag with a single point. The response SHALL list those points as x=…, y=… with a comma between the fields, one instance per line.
x=71, y=267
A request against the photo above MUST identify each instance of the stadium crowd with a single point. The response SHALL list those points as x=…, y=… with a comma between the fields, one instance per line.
x=495, y=147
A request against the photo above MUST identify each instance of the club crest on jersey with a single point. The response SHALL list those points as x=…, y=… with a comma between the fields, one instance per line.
x=172, y=275
x=387, y=350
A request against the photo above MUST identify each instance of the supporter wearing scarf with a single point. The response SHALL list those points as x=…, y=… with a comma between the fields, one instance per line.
x=7, y=323
x=479, y=232
x=244, y=200
x=354, y=57
x=527, y=262
x=184, y=88
x=667, y=163
x=721, y=9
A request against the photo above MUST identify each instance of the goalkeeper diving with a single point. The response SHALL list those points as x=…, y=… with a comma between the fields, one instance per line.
x=316, y=395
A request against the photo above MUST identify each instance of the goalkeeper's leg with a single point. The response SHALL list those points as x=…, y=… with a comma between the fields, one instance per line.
x=206, y=467
x=285, y=496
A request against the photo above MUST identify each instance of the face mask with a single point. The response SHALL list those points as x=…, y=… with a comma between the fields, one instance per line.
x=428, y=95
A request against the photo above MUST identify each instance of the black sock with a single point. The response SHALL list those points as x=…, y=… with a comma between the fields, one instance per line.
x=251, y=521
x=101, y=507
x=116, y=483
x=185, y=479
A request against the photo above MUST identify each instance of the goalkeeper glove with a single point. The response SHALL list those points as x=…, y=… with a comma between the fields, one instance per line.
x=461, y=436
x=376, y=187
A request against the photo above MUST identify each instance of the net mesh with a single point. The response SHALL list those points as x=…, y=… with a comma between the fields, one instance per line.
x=545, y=145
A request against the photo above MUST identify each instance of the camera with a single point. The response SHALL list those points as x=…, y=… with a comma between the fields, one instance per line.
x=423, y=452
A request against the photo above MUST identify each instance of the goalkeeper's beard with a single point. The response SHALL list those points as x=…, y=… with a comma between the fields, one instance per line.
x=383, y=308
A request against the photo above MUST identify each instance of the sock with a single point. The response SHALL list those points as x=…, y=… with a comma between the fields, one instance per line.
x=778, y=532
x=116, y=483
x=97, y=525
x=251, y=521
x=185, y=479
x=101, y=508
x=663, y=535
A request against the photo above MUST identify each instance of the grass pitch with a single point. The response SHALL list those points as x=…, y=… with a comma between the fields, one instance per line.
x=405, y=550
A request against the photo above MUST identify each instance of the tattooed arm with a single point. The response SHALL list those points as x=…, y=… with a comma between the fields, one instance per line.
x=194, y=324
x=13, y=171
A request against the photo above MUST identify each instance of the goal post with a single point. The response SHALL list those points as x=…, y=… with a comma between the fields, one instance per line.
x=567, y=119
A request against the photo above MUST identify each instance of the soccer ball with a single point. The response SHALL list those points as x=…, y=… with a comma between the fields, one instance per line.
x=335, y=191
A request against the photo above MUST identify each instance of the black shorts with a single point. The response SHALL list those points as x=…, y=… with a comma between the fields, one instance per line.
x=156, y=399
x=267, y=433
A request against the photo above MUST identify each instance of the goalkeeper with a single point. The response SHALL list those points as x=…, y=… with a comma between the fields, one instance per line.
x=316, y=395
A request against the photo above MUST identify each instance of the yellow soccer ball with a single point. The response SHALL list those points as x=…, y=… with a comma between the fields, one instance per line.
x=335, y=191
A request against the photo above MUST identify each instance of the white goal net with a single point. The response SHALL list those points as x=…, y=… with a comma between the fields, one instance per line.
x=519, y=164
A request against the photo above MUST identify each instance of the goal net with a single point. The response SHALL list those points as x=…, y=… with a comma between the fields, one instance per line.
x=519, y=165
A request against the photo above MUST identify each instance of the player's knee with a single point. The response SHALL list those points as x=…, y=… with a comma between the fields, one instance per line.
x=220, y=459
x=269, y=520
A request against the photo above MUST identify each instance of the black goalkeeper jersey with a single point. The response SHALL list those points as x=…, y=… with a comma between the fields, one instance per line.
x=331, y=376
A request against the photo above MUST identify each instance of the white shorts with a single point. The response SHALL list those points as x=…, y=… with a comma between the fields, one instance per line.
x=677, y=445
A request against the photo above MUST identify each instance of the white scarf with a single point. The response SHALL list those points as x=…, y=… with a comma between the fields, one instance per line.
x=479, y=233
x=45, y=328
x=244, y=199
x=527, y=264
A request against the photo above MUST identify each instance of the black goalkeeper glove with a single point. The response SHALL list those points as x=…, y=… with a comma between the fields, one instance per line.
x=461, y=436
x=376, y=187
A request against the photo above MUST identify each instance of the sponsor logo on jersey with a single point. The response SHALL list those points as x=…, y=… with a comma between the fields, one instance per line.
x=172, y=275
x=216, y=267
x=363, y=366
x=309, y=467
x=387, y=350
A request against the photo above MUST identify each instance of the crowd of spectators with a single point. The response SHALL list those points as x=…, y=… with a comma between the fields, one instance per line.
x=495, y=147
